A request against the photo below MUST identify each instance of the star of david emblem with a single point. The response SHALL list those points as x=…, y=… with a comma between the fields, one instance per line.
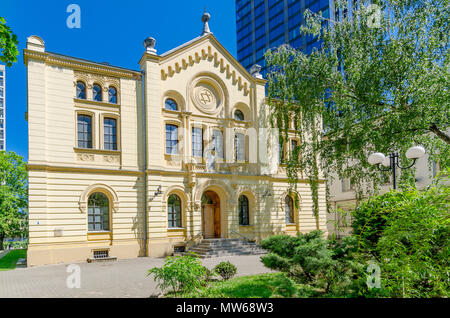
x=205, y=97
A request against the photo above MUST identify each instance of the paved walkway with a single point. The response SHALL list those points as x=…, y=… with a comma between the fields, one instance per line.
x=122, y=278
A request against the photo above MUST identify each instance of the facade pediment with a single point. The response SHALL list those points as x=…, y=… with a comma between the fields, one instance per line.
x=206, y=49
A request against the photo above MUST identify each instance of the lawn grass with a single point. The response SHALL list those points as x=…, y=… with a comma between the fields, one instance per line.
x=8, y=262
x=271, y=285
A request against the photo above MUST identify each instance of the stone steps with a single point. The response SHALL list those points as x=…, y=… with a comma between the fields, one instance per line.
x=208, y=248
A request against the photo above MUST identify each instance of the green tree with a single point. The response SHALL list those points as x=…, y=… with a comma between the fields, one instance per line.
x=13, y=196
x=8, y=44
x=374, y=87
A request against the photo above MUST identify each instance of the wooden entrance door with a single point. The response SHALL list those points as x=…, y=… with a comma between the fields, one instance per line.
x=211, y=215
x=208, y=219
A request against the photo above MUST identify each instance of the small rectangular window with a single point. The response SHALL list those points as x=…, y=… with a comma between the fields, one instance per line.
x=84, y=131
x=110, y=133
x=171, y=139
x=197, y=142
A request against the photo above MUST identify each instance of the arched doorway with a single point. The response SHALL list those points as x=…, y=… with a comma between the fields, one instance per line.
x=211, y=215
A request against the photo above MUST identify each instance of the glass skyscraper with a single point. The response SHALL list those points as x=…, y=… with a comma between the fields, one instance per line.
x=264, y=24
x=2, y=109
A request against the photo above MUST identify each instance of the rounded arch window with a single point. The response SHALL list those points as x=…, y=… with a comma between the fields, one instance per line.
x=98, y=212
x=81, y=90
x=112, y=95
x=97, y=93
x=170, y=104
x=289, y=209
x=238, y=115
x=174, y=211
x=244, y=213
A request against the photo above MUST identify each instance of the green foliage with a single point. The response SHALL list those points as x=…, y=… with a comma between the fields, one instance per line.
x=328, y=267
x=181, y=274
x=271, y=285
x=376, y=88
x=209, y=275
x=8, y=262
x=408, y=232
x=13, y=196
x=226, y=270
x=8, y=44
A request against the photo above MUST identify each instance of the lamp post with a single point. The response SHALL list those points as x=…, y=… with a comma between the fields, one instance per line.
x=392, y=161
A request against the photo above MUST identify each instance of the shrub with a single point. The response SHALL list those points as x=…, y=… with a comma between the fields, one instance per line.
x=226, y=270
x=181, y=273
x=415, y=246
x=328, y=266
x=408, y=233
x=209, y=274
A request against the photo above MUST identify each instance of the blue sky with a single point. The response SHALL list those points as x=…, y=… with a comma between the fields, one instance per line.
x=111, y=31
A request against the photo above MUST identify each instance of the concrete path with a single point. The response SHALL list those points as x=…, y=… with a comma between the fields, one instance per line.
x=122, y=278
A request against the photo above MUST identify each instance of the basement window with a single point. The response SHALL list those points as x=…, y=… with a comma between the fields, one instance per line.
x=101, y=254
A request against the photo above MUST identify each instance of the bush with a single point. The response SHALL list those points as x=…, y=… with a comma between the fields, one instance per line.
x=226, y=270
x=327, y=266
x=408, y=233
x=181, y=273
x=209, y=274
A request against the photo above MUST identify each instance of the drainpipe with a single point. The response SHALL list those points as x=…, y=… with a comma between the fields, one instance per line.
x=144, y=119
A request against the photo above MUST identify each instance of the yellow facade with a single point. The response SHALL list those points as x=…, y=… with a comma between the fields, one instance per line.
x=139, y=176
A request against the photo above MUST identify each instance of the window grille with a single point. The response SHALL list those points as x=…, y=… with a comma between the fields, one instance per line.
x=101, y=254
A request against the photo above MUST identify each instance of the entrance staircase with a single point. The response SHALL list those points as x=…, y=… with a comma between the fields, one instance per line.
x=208, y=248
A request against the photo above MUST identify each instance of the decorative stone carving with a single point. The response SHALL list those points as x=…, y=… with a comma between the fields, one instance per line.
x=104, y=81
x=86, y=157
x=206, y=98
x=111, y=158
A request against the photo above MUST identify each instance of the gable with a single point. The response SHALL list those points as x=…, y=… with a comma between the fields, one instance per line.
x=206, y=48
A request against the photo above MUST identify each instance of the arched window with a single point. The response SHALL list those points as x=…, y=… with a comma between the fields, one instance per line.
x=98, y=212
x=238, y=115
x=289, y=209
x=171, y=104
x=97, y=93
x=81, y=90
x=112, y=95
x=174, y=211
x=244, y=217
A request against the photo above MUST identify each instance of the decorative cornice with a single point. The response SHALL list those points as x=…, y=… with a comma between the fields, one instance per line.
x=213, y=56
x=72, y=169
x=79, y=65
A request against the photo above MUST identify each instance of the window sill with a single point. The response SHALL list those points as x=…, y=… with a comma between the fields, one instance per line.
x=100, y=151
x=94, y=102
x=250, y=225
x=98, y=232
x=175, y=229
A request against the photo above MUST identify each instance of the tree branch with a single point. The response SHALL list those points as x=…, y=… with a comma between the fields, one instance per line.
x=434, y=129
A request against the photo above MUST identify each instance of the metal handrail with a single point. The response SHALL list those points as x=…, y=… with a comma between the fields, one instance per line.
x=243, y=236
x=190, y=242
